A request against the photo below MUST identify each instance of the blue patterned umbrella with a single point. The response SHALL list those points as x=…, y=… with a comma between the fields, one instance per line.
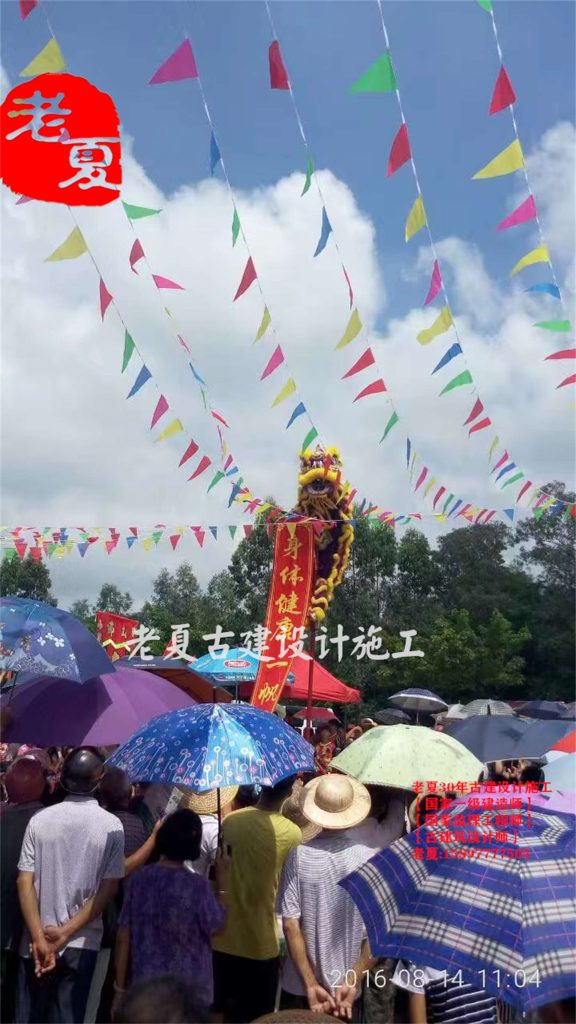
x=214, y=745
x=499, y=922
x=37, y=639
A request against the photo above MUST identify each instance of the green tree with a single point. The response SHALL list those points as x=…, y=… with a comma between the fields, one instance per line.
x=84, y=611
x=251, y=570
x=177, y=599
x=111, y=599
x=413, y=597
x=26, y=578
x=221, y=606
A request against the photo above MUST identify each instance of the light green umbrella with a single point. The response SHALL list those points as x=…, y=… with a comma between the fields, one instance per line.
x=401, y=755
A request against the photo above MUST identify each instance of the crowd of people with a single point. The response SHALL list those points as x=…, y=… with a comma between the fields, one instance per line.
x=133, y=903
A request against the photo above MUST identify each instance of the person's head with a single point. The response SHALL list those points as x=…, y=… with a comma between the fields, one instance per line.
x=115, y=789
x=167, y=998
x=179, y=837
x=81, y=772
x=324, y=734
x=532, y=772
x=25, y=781
x=367, y=723
x=380, y=799
x=272, y=797
x=333, y=726
x=353, y=734
x=335, y=801
x=504, y=771
x=247, y=796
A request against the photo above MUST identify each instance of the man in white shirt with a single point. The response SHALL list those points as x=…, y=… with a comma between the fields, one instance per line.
x=71, y=861
x=206, y=806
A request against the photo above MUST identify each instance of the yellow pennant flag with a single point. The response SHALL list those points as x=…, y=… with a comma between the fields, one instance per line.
x=173, y=428
x=352, y=330
x=539, y=255
x=288, y=389
x=441, y=324
x=509, y=160
x=49, y=59
x=494, y=445
x=147, y=543
x=60, y=551
x=73, y=247
x=416, y=219
x=264, y=324
x=440, y=517
x=430, y=486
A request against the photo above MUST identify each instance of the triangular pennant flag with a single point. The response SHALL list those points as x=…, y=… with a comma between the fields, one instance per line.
x=416, y=219
x=421, y=478
x=214, y=531
x=501, y=461
x=105, y=298
x=435, y=284
x=526, y=211
x=50, y=59
x=486, y=5
x=477, y=408
x=453, y=351
x=164, y=282
x=567, y=380
x=248, y=277
x=218, y=476
x=506, y=469
x=276, y=359
x=481, y=425
x=525, y=487
x=457, y=382
x=278, y=73
x=324, y=233
x=175, y=539
x=408, y=450
x=429, y=485
x=130, y=541
x=548, y=287
x=147, y=543
x=493, y=446
x=350, y=292
x=141, y=379
x=9, y=554
x=178, y=66
x=310, y=436
x=379, y=77
x=442, y=323
x=288, y=389
x=391, y=423
x=128, y=350
x=510, y=513
x=439, y=493
x=513, y=479
x=136, y=253
x=161, y=408
x=264, y=324
x=555, y=325
x=215, y=157
x=235, y=227
x=365, y=360
x=21, y=546
x=201, y=467
x=195, y=373
x=376, y=388
x=70, y=249
x=400, y=152
x=232, y=531
x=565, y=353
x=298, y=411
x=217, y=416
x=538, y=255
x=503, y=95
x=248, y=529
x=309, y=173
x=353, y=328
x=509, y=160
x=135, y=212
x=83, y=548
x=26, y=6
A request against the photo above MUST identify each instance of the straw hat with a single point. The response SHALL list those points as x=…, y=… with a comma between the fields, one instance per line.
x=207, y=803
x=292, y=809
x=335, y=801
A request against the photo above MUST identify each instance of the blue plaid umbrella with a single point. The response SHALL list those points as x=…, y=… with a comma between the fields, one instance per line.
x=39, y=640
x=507, y=924
x=214, y=745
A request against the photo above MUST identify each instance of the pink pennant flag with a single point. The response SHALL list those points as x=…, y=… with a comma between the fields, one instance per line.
x=199, y=533
x=525, y=487
x=110, y=545
x=190, y=451
x=278, y=73
x=477, y=408
x=565, y=353
x=400, y=152
x=567, y=380
x=435, y=284
x=220, y=419
x=526, y=211
x=22, y=200
x=376, y=388
x=174, y=540
x=421, y=478
x=366, y=360
x=182, y=342
x=276, y=359
x=503, y=95
x=26, y=7
x=350, y=292
x=248, y=277
x=480, y=514
x=248, y=529
x=481, y=425
x=489, y=517
x=500, y=462
x=164, y=282
x=464, y=510
x=439, y=494
x=105, y=298
x=179, y=65
x=201, y=467
x=228, y=462
x=136, y=253
x=159, y=411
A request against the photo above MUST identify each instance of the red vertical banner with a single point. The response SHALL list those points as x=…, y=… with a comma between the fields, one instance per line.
x=113, y=631
x=293, y=578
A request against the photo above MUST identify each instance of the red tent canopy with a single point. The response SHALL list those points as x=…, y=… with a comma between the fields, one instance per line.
x=325, y=686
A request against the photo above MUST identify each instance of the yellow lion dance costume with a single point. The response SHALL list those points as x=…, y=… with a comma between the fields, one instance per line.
x=322, y=494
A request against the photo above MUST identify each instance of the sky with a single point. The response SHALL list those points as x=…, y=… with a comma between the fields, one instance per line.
x=74, y=450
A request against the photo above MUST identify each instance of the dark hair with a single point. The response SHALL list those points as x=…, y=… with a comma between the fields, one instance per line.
x=115, y=789
x=167, y=998
x=282, y=789
x=245, y=797
x=180, y=836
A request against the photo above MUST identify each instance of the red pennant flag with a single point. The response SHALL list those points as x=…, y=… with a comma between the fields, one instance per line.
x=136, y=253
x=525, y=487
x=21, y=546
x=133, y=530
x=26, y=7
x=228, y=462
x=477, y=408
x=165, y=282
x=480, y=425
x=105, y=298
x=201, y=467
x=503, y=95
x=159, y=411
x=177, y=66
x=376, y=388
x=220, y=419
x=500, y=462
x=199, y=534
x=278, y=73
x=421, y=478
x=567, y=380
x=174, y=540
x=565, y=353
x=464, y=510
x=480, y=514
x=439, y=494
x=366, y=360
x=248, y=530
x=36, y=553
x=350, y=292
x=489, y=517
x=400, y=151
x=248, y=277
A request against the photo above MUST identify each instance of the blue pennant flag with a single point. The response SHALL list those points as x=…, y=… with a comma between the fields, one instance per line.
x=551, y=289
x=236, y=488
x=324, y=233
x=215, y=157
x=510, y=513
x=82, y=548
x=408, y=450
x=298, y=411
x=141, y=379
x=452, y=352
x=511, y=465
x=197, y=375
x=214, y=531
x=130, y=541
x=232, y=471
x=455, y=506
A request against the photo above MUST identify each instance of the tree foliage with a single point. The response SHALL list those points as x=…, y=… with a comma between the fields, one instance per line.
x=26, y=578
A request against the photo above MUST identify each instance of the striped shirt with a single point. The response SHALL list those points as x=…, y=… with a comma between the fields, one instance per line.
x=446, y=1001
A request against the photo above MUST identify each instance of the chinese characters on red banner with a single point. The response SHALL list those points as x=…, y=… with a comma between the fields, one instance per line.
x=115, y=633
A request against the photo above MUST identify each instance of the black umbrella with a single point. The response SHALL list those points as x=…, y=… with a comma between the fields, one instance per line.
x=392, y=716
x=504, y=738
x=542, y=709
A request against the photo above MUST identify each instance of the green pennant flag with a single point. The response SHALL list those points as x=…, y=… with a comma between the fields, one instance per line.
x=135, y=212
x=446, y=503
x=379, y=78
x=128, y=350
x=203, y=393
x=457, y=382
x=538, y=512
x=310, y=436
x=51, y=549
x=156, y=536
x=391, y=423
x=513, y=479
x=555, y=325
x=235, y=227
x=309, y=173
x=216, y=479
x=9, y=554
x=232, y=530
x=486, y=5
